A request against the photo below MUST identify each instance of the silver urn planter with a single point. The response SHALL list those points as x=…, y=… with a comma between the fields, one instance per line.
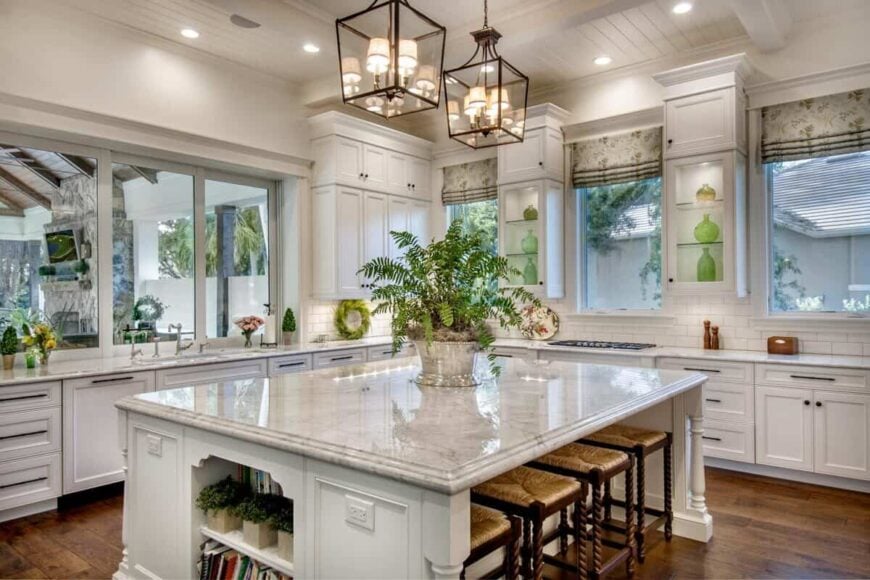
x=447, y=364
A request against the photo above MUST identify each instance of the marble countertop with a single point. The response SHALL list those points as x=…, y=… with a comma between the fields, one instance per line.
x=374, y=418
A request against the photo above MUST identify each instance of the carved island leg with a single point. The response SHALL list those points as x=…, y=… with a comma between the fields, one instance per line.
x=124, y=565
x=697, y=486
x=446, y=533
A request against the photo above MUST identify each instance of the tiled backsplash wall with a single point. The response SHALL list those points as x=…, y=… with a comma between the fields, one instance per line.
x=319, y=320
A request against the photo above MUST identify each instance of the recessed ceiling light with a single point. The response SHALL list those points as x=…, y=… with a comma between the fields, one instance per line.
x=189, y=33
x=602, y=60
x=682, y=7
x=311, y=48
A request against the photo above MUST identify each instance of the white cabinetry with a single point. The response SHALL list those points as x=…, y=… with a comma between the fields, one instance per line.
x=283, y=365
x=784, y=427
x=338, y=358
x=91, y=453
x=841, y=434
x=338, y=241
x=212, y=373
x=710, y=121
x=539, y=156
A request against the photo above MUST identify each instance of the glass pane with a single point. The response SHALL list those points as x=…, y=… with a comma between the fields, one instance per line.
x=699, y=220
x=821, y=234
x=481, y=216
x=48, y=243
x=623, y=242
x=237, y=255
x=153, y=262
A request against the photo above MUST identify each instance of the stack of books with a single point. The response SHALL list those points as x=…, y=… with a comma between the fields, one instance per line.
x=219, y=562
x=260, y=481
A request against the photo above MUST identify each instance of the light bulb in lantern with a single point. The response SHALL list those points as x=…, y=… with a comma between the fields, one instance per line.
x=452, y=111
x=378, y=60
x=426, y=78
x=407, y=56
x=374, y=104
x=477, y=97
x=468, y=108
x=350, y=71
x=504, y=103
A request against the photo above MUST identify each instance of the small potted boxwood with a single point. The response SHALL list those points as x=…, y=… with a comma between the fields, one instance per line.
x=9, y=346
x=220, y=501
x=288, y=325
x=282, y=521
x=256, y=512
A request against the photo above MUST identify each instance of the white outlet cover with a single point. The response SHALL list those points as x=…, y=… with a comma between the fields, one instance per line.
x=155, y=445
x=359, y=512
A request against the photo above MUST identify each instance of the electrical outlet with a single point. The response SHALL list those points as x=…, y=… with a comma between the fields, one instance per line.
x=155, y=445
x=359, y=512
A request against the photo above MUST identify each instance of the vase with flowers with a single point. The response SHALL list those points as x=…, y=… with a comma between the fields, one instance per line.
x=249, y=325
x=42, y=337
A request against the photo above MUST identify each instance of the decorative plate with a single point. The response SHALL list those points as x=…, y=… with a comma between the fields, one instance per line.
x=539, y=323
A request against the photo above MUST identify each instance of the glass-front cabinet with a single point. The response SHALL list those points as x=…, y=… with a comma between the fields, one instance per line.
x=706, y=223
x=531, y=234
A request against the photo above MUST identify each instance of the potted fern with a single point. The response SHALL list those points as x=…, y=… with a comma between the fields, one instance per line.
x=220, y=501
x=442, y=296
x=9, y=346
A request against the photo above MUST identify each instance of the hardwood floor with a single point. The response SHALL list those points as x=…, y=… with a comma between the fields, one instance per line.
x=764, y=528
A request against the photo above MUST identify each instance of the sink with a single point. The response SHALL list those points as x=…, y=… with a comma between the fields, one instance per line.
x=199, y=357
x=155, y=362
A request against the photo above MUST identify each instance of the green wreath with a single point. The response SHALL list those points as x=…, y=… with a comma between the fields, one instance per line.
x=345, y=307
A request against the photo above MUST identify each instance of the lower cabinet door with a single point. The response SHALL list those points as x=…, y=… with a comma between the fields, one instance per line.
x=842, y=434
x=91, y=452
x=784, y=427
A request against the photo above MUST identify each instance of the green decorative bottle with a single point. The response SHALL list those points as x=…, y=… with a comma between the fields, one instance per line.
x=529, y=244
x=707, y=231
x=530, y=273
x=706, y=266
x=530, y=213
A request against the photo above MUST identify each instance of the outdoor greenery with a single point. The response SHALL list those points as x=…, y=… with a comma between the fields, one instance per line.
x=9, y=344
x=288, y=324
x=226, y=494
x=148, y=308
x=786, y=287
x=479, y=217
x=446, y=291
x=175, y=245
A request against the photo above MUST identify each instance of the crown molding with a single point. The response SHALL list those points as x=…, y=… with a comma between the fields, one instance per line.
x=736, y=64
x=641, y=119
x=809, y=85
x=337, y=123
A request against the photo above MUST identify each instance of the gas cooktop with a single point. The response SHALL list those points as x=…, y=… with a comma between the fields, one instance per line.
x=601, y=344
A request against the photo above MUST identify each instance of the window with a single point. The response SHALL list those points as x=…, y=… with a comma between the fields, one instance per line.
x=479, y=216
x=622, y=243
x=48, y=242
x=820, y=234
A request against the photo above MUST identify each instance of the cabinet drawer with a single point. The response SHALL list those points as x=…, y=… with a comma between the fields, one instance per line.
x=812, y=377
x=734, y=441
x=28, y=433
x=514, y=352
x=337, y=358
x=728, y=401
x=25, y=481
x=289, y=364
x=211, y=373
x=386, y=352
x=717, y=371
x=29, y=396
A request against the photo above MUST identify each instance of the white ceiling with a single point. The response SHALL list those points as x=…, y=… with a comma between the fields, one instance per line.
x=552, y=41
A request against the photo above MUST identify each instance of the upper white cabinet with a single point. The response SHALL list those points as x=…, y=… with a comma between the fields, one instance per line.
x=541, y=153
x=337, y=236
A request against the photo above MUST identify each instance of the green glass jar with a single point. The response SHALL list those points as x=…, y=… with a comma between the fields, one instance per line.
x=707, y=231
x=706, y=266
x=530, y=213
x=529, y=244
x=30, y=359
x=705, y=193
x=530, y=273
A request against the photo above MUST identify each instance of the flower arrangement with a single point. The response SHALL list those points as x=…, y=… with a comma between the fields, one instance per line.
x=41, y=336
x=249, y=325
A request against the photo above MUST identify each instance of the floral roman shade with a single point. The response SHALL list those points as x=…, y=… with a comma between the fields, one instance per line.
x=470, y=182
x=818, y=127
x=617, y=158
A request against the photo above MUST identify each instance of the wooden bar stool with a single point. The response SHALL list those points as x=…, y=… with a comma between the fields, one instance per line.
x=491, y=530
x=640, y=443
x=595, y=466
x=535, y=495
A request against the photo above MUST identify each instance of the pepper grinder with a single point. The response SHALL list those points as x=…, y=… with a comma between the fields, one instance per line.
x=714, y=340
x=707, y=338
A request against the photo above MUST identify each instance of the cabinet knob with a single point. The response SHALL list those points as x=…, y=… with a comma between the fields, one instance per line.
x=670, y=280
x=360, y=175
x=670, y=141
x=413, y=186
x=540, y=163
x=409, y=186
x=541, y=282
x=818, y=403
x=367, y=175
x=806, y=402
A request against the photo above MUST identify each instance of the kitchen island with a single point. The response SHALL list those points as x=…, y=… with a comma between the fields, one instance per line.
x=378, y=468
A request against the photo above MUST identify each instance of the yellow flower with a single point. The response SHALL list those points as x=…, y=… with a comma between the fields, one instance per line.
x=27, y=340
x=50, y=343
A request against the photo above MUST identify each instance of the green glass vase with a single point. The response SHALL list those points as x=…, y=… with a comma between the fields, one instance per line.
x=530, y=273
x=529, y=244
x=707, y=231
x=706, y=266
x=530, y=213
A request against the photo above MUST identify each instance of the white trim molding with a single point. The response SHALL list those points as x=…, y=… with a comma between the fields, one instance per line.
x=641, y=119
x=809, y=86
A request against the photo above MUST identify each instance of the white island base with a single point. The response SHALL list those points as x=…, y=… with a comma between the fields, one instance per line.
x=379, y=471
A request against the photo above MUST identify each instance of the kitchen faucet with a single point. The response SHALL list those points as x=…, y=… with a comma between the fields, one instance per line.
x=178, y=346
x=134, y=352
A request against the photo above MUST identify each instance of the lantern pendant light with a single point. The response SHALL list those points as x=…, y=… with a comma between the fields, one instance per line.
x=391, y=57
x=486, y=97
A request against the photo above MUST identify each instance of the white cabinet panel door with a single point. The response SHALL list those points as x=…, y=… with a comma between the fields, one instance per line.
x=784, y=427
x=349, y=160
x=842, y=434
x=91, y=453
x=522, y=161
x=399, y=221
x=398, y=173
x=700, y=123
x=375, y=232
x=418, y=223
x=421, y=177
x=349, y=219
x=374, y=167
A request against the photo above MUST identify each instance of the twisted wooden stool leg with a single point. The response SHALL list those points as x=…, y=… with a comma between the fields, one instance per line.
x=629, y=516
x=641, y=507
x=608, y=500
x=512, y=551
x=597, y=525
x=563, y=530
x=580, y=534
x=538, y=545
x=527, y=547
x=669, y=475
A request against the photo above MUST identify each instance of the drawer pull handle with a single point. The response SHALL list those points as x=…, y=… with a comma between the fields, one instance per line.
x=711, y=438
x=812, y=378
x=390, y=352
x=291, y=364
x=504, y=355
x=338, y=358
x=24, y=397
x=713, y=400
x=5, y=437
x=701, y=370
x=8, y=485
x=112, y=380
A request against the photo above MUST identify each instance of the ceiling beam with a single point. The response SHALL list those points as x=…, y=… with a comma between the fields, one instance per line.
x=77, y=163
x=11, y=212
x=24, y=189
x=767, y=22
x=149, y=174
x=32, y=164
